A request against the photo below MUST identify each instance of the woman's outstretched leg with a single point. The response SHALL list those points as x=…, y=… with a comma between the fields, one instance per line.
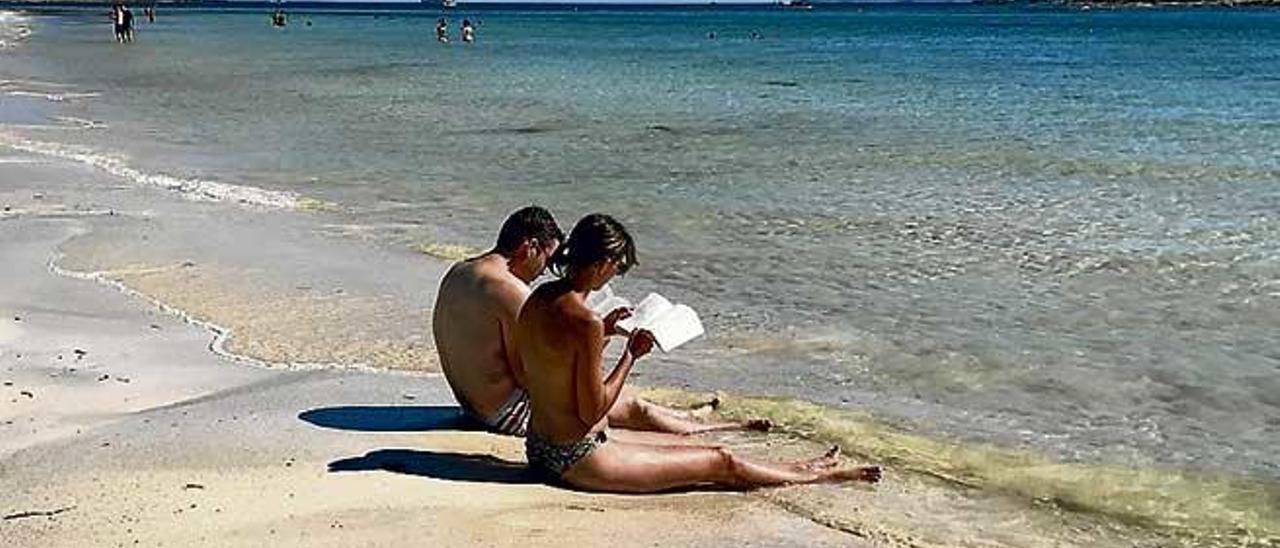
x=637, y=414
x=630, y=468
x=637, y=437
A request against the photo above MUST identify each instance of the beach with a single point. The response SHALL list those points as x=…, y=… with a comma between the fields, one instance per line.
x=124, y=426
x=131, y=421
x=214, y=315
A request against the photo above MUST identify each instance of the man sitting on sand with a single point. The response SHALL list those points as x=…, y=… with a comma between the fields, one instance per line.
x=474, y=326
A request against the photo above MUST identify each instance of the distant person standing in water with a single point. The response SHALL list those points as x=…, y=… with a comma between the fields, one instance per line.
x=117, y=22
x=468, y=31
x=442, y=31
x=127, y=18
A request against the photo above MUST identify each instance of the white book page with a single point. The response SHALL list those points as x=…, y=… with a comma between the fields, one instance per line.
x=604, y=301
x=674, y=327
x=645, y=313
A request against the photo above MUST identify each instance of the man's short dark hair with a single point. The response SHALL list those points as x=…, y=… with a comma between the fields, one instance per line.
x=528, y=222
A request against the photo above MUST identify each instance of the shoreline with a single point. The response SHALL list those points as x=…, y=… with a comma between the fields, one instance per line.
x=886, y=515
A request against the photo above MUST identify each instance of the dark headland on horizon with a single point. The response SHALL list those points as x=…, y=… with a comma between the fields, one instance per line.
x=628, y=5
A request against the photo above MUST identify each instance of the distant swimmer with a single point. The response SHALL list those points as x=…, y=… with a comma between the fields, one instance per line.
x=755, y=35
x=278, y=18
x=468, y=31
x=442, y=31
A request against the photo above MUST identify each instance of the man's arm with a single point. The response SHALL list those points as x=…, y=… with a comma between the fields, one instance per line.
x=509, y=299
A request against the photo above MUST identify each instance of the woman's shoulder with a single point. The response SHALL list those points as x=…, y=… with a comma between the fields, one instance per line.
x=561, y=305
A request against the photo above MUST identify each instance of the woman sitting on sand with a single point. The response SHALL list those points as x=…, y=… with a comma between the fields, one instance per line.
x=561, y=344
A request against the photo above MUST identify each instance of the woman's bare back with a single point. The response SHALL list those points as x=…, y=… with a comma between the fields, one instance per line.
x=552, y=340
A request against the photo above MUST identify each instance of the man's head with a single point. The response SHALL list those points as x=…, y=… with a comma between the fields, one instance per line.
x=527, y=239
x=599, y=248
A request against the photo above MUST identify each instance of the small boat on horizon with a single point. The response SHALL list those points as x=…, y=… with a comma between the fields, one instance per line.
x=796, y=4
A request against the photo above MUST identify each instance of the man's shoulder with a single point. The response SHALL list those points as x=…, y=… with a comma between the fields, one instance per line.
x=484, y=285
x=506, y=288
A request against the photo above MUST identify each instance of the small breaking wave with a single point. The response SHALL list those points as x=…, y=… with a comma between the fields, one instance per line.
x=53, y=97
x=15, y=29
x=80, y=123
x=195, y=189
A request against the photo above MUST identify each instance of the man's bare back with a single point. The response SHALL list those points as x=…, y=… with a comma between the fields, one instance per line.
x=475, y=312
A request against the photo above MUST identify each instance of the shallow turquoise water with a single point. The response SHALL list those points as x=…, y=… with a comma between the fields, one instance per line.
x=1030, y=226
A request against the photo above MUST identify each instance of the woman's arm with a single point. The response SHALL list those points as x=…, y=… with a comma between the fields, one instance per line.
x=595, y=395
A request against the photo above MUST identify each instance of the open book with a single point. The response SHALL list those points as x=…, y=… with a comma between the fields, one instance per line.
x=672, y=325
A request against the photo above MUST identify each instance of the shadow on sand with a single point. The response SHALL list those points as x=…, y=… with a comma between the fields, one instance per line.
x=445, y=466
x=439, y=465
x=390, y=418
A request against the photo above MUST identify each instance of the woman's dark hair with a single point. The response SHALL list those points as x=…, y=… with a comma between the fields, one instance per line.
x=595, y=238
x=528, y=222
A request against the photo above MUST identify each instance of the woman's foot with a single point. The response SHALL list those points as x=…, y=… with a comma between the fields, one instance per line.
x=868, y=474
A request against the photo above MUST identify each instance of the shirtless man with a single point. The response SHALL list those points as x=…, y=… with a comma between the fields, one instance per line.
x=560, y=343
x=474, y=326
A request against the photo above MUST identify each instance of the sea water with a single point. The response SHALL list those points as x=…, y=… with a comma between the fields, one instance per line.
x=1033, y=227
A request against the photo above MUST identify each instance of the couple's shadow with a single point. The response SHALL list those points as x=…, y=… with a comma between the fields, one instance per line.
x=434, y=464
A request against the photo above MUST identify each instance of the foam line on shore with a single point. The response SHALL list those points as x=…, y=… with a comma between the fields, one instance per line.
x=1189, y=509
x=195, y=189
x=217, y=345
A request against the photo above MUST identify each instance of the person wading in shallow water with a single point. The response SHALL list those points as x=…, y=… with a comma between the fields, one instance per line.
x=560, y=343
x=468, y=31
x=442, y=31
x=118, y=23
x=474, y=326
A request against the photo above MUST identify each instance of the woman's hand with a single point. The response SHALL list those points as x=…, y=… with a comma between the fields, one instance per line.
x=640, y=343
x=611, y=321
